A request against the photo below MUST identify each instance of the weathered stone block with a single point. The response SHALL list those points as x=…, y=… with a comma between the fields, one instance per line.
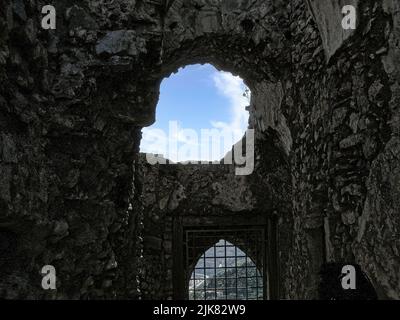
x=120, y=42
x=328, y=15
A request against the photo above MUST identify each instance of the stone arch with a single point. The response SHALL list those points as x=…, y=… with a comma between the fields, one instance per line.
x=205, y=32
x=245, y=248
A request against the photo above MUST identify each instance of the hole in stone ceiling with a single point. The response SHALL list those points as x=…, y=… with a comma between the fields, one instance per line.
x=200, y=115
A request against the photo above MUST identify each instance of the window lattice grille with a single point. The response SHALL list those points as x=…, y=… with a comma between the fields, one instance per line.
x=224, y=271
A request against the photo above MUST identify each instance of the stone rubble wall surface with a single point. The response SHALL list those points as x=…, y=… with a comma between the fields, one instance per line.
x=73, y=102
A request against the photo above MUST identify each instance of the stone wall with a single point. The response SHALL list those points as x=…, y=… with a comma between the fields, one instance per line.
x=202, y=194
x=172, y=191
x=73, y=102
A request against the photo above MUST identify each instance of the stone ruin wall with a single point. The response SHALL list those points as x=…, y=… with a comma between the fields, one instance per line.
x=190, y=191
x=200, y=194
x=73, y=102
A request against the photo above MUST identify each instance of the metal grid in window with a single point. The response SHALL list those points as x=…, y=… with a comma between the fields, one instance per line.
x=224, y=271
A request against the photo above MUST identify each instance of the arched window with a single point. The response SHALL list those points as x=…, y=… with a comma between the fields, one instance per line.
x=200, y=115
x=225, y=272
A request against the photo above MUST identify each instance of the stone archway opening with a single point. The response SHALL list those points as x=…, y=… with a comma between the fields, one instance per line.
x=201, y=114
x=226, y=272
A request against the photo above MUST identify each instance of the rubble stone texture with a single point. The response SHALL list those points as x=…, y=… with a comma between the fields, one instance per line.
x=75, y=194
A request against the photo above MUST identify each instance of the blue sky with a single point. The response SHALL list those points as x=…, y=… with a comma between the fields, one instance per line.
x=196, y=97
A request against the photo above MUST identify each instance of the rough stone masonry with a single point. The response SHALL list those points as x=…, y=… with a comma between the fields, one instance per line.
x=75, y=193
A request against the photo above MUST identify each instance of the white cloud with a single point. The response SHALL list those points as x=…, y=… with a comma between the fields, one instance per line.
x=232, y=87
